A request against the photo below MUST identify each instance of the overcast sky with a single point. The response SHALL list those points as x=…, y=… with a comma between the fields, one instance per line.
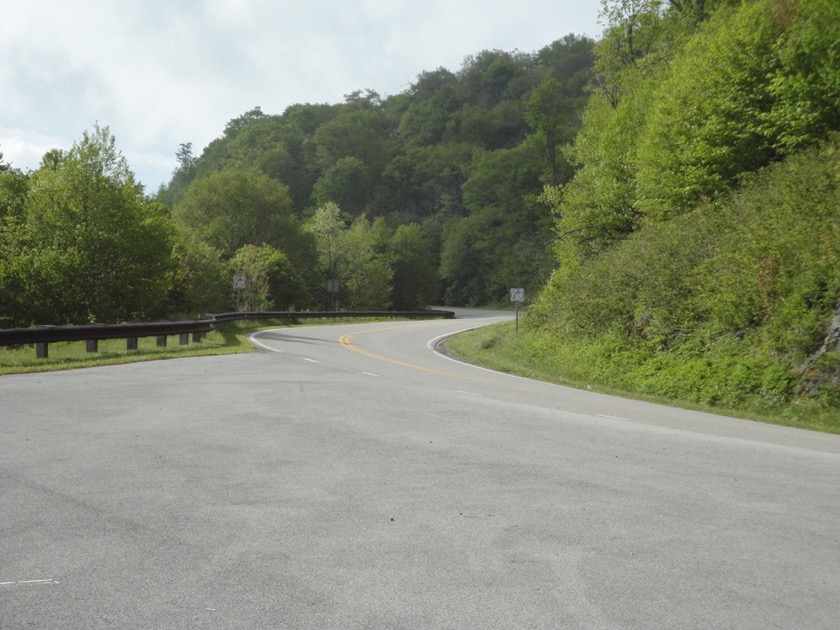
x=163, y=72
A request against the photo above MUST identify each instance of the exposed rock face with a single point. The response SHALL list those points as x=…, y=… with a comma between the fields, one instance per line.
x=823, y=368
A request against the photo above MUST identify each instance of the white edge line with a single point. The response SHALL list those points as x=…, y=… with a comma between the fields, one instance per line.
x=433, y=342
x=253, y=339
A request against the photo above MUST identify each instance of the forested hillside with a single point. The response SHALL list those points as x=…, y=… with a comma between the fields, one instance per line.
x=698, y=243
x=439, y=185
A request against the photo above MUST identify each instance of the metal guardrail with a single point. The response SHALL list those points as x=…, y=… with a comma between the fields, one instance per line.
x=42, y=336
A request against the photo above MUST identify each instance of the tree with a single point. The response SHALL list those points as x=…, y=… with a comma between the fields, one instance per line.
x=271, y=281
x=553, y=115
x=366, y=273
x=325, y=226
x=597, y=207
x=433, y=99
x=346, y=183
x=359, y=133
x=631, y=32
x=415, y=277
x=92, y=247
x=706, y=122
x=201, y=280
x=233, y=127
x=355, y=254
x=236, y=207
x=14, y=188
x=805, y=83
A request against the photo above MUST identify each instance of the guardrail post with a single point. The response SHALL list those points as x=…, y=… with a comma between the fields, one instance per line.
x=197, y=337
x=131, y=343
x=92, y=345
x=185, y=339
x=42, y=350
x=161, y=341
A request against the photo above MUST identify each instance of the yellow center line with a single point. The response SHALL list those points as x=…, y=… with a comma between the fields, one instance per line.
x=344, y=340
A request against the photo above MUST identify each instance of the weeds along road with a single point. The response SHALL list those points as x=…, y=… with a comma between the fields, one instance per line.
x=349, y=477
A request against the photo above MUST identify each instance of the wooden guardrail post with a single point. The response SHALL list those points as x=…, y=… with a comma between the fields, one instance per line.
x=161, y=341
x=92, y=345
x=42, y=350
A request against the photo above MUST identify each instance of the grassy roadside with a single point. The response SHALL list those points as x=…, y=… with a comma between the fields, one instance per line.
x=227, y=338
x=499, y=347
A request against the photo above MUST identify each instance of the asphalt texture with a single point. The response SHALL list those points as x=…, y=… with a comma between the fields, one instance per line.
x=349, y=477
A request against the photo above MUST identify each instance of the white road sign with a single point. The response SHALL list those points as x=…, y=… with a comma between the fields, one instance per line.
x=517, y=295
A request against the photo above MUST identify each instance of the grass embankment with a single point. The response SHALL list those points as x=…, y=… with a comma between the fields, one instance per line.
x=579, y=364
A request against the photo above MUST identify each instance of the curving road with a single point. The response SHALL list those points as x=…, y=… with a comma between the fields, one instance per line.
x=350, y=477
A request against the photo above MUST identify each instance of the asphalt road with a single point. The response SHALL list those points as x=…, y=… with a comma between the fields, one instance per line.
x=349, y=477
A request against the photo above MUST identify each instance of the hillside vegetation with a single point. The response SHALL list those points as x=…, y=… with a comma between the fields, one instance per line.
x=699, y=241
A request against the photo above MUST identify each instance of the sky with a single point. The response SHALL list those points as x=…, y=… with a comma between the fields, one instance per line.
x=159, y=73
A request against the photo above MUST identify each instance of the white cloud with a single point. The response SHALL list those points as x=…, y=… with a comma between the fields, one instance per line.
x=160, y=73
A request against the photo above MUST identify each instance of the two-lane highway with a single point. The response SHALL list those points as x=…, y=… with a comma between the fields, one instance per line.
x=350, y=477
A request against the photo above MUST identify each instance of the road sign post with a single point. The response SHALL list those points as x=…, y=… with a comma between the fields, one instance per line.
x=332, y=289
x=239, y=283
x=517, y=296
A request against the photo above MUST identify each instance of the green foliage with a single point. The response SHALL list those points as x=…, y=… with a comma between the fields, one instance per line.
x=201, y=282
x=805, y=84
x=271, y=282
x=326, y=225
x=698, y=244
x=415, y=276
x=88, y=246
x=355, y=254
x=365, y=274
x=358, y=134
x=597, y=207
x=721, y=306
x=503, y=241
x=346, y=183
x=14, y=188
x=705, y=122
x=234, y=207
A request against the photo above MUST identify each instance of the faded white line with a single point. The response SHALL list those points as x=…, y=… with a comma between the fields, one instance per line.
x=310, y=360
x=257, y=342
x=24, y=582
x=370, y=374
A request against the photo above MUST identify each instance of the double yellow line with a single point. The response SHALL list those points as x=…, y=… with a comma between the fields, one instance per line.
x=344, y=340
